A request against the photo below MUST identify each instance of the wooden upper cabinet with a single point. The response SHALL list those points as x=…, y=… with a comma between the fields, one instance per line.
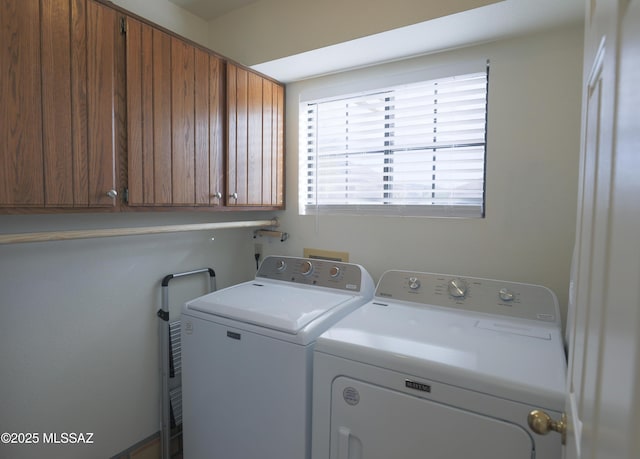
x=255, y=167
x=66, y=69
x=57, y=110
x=174, y=120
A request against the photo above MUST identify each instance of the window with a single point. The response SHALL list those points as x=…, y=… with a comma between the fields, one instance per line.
x=411, y=149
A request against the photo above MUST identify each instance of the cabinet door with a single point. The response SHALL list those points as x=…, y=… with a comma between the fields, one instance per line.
x=255, y=168
x=272, y=144
x=21, y=155
x=102, y=37
x=57, y=123
x=174, y=123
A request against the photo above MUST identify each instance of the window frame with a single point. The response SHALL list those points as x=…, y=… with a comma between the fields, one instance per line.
x=386, y=84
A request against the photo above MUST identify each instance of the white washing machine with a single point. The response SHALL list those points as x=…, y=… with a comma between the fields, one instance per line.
x=247, y=357
x=441, y=367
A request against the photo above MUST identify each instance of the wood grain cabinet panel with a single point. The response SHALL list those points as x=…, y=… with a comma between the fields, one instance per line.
x=255, y=111
x=57, y=123
x=63, y=126
x=102, y=37
x=21, y=164
x=174, y=120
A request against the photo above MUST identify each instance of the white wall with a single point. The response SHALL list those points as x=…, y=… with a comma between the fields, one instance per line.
x=532, y=168
x=170, y=16
x=79, y=345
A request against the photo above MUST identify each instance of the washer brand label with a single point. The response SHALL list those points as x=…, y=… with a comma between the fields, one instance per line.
x=417, y=386
x=546, y=317
x=351, y=395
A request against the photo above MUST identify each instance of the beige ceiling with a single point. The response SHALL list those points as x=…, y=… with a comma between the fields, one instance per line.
x=270, y=29
x=211, y=9
x=297, y=39
x=497, y=21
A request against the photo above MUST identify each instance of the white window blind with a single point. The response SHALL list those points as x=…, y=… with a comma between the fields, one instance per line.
x=413, y=149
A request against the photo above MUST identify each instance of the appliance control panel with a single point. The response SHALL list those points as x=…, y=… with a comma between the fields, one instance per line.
x=525, y=301
x=322, y=273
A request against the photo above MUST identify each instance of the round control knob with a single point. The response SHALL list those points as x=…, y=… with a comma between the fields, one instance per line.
x=306, y=268
x=414, y=283
x=281, y=265
x=506, y=294
x=334, y=271
x=457, y=288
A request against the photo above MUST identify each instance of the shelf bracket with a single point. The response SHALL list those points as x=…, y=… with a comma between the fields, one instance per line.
x=271, y=233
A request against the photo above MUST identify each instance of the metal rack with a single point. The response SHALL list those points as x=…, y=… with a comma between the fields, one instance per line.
x=171, y=365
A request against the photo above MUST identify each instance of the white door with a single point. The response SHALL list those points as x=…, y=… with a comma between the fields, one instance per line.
x=603, y=400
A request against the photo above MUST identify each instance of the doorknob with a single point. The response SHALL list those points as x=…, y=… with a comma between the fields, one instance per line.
x=541, y=423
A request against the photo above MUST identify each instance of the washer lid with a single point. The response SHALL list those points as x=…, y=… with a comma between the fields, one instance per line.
x=284, y=308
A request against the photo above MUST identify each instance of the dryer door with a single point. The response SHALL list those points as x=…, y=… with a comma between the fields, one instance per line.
x=372, y=422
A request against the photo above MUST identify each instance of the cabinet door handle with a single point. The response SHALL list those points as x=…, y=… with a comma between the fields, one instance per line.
x=218, y=195
x=234, y=196
x=112, y=193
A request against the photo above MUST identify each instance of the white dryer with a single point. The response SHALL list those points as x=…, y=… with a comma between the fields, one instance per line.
x=247, y=357
x=441, y=367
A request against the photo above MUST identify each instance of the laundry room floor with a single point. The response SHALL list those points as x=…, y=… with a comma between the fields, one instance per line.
x=151, y=449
